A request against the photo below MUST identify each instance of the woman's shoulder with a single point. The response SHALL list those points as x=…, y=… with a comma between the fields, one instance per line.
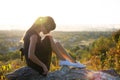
x=34, y=37
x=30, y=33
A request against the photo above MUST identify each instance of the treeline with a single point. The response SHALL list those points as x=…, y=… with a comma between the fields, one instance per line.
x=105, y=52
x=72, y=40
x=10, y=40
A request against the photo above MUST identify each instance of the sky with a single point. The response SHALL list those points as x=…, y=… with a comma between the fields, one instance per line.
x=20, y=14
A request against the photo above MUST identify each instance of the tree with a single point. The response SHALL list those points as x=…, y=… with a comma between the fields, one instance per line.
x=116, y=36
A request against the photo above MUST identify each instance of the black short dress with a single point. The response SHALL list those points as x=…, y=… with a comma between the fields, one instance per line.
x=43, y=51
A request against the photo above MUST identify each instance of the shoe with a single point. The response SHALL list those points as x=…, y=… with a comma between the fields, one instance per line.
x=65, y=63
x=68, y=63
x=79, y=65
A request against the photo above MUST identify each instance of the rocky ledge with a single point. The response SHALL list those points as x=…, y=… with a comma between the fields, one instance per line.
x=65, y=73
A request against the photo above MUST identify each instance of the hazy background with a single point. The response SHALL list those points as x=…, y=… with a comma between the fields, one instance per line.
x=69, y=15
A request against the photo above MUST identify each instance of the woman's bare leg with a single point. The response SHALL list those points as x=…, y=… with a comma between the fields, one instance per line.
x=63, y=52
x=60, y=51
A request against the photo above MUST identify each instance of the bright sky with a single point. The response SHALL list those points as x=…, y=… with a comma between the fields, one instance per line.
x=24, y=12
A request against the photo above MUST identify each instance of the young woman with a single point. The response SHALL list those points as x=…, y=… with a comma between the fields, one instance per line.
x=38, y=51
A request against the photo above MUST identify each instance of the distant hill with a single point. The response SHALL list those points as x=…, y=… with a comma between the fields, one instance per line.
x=88, y=27
x=70, y=27
x=10, y=40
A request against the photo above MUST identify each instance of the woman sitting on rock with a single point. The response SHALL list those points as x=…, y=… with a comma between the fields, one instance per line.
x=38, y=51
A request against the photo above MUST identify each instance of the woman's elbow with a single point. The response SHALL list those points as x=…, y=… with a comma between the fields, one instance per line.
x=30, y=57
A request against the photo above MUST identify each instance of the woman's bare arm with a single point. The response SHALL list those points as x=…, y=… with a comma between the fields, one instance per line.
x=31, y=53
x=60, y=51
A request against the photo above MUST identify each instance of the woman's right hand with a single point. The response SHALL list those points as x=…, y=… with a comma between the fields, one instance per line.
x=45, y=70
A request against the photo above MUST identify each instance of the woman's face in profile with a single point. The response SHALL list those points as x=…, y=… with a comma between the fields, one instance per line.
x=44, y=30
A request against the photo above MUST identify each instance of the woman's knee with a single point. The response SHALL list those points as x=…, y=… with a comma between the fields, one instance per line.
x=46, y=38
x=57, y=43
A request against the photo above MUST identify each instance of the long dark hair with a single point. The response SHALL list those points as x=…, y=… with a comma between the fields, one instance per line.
x=47, y=21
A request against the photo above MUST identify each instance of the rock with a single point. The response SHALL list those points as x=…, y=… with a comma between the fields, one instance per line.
x=65, y=73
x=111, y=71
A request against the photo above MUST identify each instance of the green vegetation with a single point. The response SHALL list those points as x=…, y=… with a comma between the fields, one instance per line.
x=98, y=50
